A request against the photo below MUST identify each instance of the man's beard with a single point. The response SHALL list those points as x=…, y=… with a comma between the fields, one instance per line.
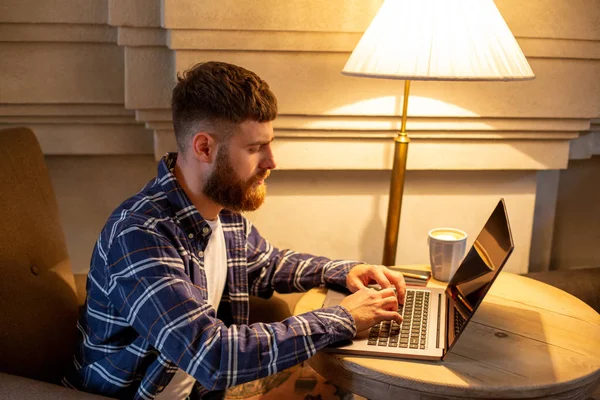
x=225, y=187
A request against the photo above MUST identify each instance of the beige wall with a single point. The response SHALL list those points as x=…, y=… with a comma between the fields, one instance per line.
x=321, y=212
x=342, y=214
x=92, y=78
x=88, y=189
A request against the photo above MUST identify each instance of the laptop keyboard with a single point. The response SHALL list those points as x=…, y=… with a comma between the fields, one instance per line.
x=459, y=322
x=412, y=333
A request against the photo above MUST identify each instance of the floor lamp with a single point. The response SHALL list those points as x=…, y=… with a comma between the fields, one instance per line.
x=464, y=40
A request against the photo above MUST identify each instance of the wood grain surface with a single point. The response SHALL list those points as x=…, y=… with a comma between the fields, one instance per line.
x=527, y=340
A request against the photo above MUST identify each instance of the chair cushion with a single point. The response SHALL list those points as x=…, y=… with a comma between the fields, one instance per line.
x=583, y=283
x=38, y=302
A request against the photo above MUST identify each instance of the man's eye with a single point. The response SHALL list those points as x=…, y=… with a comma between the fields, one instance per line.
x=254, y=149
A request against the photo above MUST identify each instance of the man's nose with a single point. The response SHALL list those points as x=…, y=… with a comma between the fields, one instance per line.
x=269, y=160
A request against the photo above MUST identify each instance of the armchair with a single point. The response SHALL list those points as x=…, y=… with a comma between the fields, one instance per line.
x=38, y=300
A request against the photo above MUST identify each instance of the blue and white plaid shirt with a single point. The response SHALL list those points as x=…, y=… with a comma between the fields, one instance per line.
x=146, y=312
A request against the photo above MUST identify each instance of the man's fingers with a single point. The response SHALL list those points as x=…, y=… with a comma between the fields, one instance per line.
x=401, y=291
x=396, y=278
x=355, y=284
x=380, y=277
x=390, y=303
x=398, y=281
x=391, y=316
x=389, y=292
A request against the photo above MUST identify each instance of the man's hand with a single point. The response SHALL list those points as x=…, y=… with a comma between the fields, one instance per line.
x=369, y=306
x=364, y=274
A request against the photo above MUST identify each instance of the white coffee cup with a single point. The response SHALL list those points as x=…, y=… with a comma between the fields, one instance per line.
x=446, y=250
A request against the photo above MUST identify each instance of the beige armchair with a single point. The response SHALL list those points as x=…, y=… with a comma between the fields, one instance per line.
x=38, y=300
x=37, y=286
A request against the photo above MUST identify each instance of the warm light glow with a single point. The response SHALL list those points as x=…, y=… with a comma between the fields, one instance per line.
x=439, y=40
x=391, y=105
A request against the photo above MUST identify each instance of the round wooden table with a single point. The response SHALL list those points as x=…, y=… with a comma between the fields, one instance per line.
x=528, y=340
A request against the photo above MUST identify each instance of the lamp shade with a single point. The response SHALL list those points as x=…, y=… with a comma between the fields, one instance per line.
x=439, y=40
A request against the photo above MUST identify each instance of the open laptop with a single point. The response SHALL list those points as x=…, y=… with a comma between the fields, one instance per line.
x=434, y=318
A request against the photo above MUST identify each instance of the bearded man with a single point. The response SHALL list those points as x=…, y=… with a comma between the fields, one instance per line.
x=166, y=314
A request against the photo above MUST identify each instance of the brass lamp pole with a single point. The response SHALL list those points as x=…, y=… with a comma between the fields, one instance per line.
x=396, y=186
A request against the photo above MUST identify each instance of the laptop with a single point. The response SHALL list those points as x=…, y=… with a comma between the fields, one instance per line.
x=434, y=318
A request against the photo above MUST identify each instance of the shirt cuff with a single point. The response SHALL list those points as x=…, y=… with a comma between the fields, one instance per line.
x=337, y=273
x=339, y=322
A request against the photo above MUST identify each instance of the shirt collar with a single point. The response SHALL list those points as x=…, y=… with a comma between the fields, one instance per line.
x=184, y=210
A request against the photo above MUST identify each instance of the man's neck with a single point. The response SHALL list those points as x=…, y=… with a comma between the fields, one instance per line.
x=192, y=186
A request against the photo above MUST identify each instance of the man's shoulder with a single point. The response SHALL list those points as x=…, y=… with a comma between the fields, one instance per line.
x=145, y=216
x=145, y=210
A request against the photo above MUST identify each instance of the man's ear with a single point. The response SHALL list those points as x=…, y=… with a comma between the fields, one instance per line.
x=204, y=147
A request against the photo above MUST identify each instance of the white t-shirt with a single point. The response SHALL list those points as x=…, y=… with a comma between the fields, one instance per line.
x=215, y=266
x=215, y=263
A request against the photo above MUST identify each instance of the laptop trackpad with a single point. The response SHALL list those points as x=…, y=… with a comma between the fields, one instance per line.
x=333, y=298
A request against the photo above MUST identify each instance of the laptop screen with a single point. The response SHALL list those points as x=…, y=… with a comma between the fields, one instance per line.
x=477, y=272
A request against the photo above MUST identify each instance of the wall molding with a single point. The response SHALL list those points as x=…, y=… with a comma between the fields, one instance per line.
x=63, y=76
x=299, y=48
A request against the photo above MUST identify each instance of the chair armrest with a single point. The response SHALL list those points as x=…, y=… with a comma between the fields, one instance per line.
x=275, y=309
x=80, y=282
x=583, y=283
x=14, y=387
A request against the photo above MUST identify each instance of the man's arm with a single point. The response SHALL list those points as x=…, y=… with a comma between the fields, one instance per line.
x=287, y=271
x=148, y=286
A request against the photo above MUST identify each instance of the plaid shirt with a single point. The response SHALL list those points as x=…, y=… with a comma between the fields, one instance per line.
x=146, y=312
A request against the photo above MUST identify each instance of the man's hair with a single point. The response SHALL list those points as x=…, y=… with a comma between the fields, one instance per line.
x=216, y=97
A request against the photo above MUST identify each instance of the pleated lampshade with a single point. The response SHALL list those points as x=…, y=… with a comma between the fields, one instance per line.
x=464, y=40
